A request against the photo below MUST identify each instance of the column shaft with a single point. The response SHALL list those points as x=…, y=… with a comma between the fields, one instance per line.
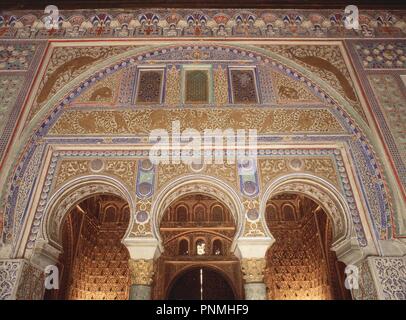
x=142, y=272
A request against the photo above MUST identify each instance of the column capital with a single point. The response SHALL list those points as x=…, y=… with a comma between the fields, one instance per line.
x=141, y=271
x=253, y=269
x=349, y=251
x=44, y=255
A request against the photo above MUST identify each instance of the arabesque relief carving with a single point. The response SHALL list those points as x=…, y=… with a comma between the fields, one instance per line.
x=290, y=91
x=253, y=269
x=143, y=210
x=142, y=122
x=328, y=63
x=167, y=172
x=320, y=166
x=104, y=91
x=220, y=86
x=123, y=169
x=141, y=271
x=65, y=64
x=253, y=226
x=172, y=96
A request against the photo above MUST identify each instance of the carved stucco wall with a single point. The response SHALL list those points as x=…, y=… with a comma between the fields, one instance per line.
x=139, y=121
x=308, y=94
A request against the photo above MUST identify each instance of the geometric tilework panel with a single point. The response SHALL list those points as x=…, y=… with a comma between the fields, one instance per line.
x=16, y=56
x=149, y=87
x=376, y=55
x=244, y=90
x=196, y=86
x=9, y=88
x=393, y=105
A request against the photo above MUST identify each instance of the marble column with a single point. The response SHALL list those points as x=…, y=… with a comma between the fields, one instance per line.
x=252, y=253
x=142, y=272
x=143, y=253
x=253, y=274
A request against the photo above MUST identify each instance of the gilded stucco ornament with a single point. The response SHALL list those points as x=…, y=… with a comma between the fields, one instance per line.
x=321, y=166
x=141, y=271
x=70, y=168
x=142, y=225
x=253, y=269
x=253, y=226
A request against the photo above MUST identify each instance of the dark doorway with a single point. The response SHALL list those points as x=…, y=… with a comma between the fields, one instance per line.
x=201, y=284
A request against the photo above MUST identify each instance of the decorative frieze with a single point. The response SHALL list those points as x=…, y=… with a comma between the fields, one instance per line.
x=226, y=23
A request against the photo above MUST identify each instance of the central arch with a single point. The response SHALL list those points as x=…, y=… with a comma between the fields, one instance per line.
x=198, y=184
x=197, y=220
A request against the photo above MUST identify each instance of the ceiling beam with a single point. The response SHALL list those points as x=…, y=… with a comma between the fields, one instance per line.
x=253, y=4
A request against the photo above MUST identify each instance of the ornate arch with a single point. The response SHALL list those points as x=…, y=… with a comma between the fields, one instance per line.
x=322, y=193
x=54, y=107
x=73, y=193
x=198, y=184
